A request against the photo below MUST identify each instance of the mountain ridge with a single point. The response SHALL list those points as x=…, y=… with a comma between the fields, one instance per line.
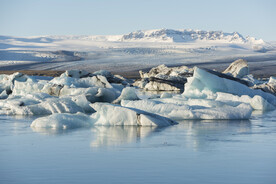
x=160, y=35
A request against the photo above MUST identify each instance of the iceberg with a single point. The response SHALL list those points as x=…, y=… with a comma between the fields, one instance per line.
x=75, y=74
x=106, y=114
x=128, y=93
x=163, y=78
x=81, y=99
x=108, y=75
x=51, y=105
x=109, y=114
x=7, y=81
x=203, y=80
x=269, y=87
x=257, y=102
x=62, y=121
x=178, y=109
x=238, y=68
x=95, y=81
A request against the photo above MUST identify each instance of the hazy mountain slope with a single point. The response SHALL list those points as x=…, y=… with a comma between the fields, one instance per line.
x=132, y=51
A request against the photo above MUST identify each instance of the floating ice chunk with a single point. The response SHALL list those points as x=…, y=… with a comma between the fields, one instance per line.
x=269, y=87
x=93, y=94
x=105, y=73
x=182, y=71
x=28, y=99
x=95, y=81
x=3, y=94
x=163, y=78
x=62, y=121
x=257, y=102
x=251, y=80
x=156, y=84
x=109, y=114
x=113, y=78
x=203, y=80
x=166, y=95
x=7, y=81
x=51, y=106
x=172, y=111
x=128, y=93
x=242, y=111
x=23, y=88
x=118, y=87
x=238, y=68
x=75, y=73
x=66, y=90
x=272, y=80
x=48, y=106
x=106, y=95
x=197, y=109
x=82, y=102
x=101, y=81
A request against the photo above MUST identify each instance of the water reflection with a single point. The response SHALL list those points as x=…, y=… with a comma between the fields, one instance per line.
x=201, y=135
x=53, y=131
x=194, y=134
x=118, y=135
x=198, y=135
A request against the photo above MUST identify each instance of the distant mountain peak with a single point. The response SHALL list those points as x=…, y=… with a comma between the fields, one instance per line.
x=184, y=35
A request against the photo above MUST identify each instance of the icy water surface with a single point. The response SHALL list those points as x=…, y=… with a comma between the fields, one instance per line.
x=190, y=152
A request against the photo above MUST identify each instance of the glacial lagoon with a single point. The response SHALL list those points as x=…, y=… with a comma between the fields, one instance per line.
x=207, y=151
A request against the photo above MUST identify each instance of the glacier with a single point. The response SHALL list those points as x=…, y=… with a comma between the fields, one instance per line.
x=133, y=51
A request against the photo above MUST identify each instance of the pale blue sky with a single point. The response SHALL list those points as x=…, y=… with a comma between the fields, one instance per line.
x=102, y=17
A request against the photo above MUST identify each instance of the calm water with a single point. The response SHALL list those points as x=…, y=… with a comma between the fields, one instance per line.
x=190, y=152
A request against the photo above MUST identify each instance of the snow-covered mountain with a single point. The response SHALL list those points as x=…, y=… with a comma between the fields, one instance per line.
x=132, y=51
x=185, y=35
x=169, y=35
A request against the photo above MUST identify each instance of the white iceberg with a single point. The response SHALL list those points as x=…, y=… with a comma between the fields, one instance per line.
x=62, y=121
x=109, y=114
x=272, y=80
x=190, y=109
x=163, y=78
x=7, y=81
x=75, y=73
x=47, y=106
x=257, y=102
x=95, y=81
x=206, y=81
x=238, y=68
x=128, y=93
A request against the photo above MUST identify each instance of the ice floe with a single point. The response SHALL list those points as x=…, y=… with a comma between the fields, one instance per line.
x=188, y=109
x=204, y=81
x=82, y=99
x=128, y=93
x=238, y=68
x=62, y=121
x=163, y=78
x=109, y=114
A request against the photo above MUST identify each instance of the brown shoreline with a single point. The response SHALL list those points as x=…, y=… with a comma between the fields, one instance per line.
x=256, y=69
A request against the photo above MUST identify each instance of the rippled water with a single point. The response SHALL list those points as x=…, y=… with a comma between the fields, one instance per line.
x=190, y=152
